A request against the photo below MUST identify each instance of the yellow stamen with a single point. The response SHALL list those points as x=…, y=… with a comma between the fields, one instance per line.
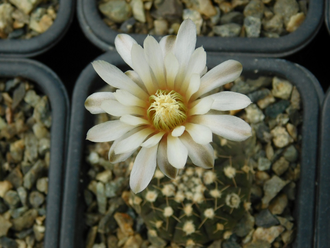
x=166, y=110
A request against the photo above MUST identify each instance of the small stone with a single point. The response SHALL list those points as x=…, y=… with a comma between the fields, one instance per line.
x=232, y=17
x=15, y=177
x=12, y=199
x=127, y=26
x=161, y=27
x=286, y=8
x=133, y=242
x=226, y=7
x=116, y=10
x=261, y=177
x=3, y=206
x=22, y=193
x=281, y=88
x=6, y=20
x=291, y=154
x=138, y=10
x=269, y=151
x=31, y=98
x=266, y=219
x=169, y=9
x=91, y=235
x=271, y=188
x=42, y=185
x=295, y=98
x=281, y=138
x=43, y=146
x=258, y=244
x=274, y=24
x=280, y=166
x=25, y=221
x=267, y=234
x=216, y=18
x=36, y=199
x=277, y=108
x=101, y=198
x=112, y=241
x=6, y=242
x=228, y=30
x=263, y=164
x=40, y=131
x=25, y=5
x=278, y=204
x=39, y=232
x=254, y=114
x=195, y=16
x=125, y=223
x=35, y=172
x=252, y=26
x=254, y=8
x=42, y=112
x=266, y=101
x=18, y=95
x=4, y=226
x=115, y=187
x=204, y=7
x=262, y=132
x=31, y=147
x=285, y=223
x=287, y=237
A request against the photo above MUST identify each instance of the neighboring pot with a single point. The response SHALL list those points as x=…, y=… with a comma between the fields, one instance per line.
x=103, y=36
x=322, y=226
x=73, y=232
x=43, y=42
x=47, y=82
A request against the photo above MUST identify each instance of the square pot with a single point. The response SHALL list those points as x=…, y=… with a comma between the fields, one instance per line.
x=43, y=42
x=47, y=83
x=103, y=36
x=73, y=229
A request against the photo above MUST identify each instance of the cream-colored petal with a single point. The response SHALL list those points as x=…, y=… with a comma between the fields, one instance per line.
x=166, y=44
x=128, y=99
x=153, y=140
x=202, y=106
x=115, y=108
x=108, y=131
x=227, y=126
x=228, y=100
x=133, y=141
x=172, y=68
x=142, y=68
x=224, y=73
x=177, y=153
x=155, y=59
x=178, y=131
x=94, y=101
x=143, y=169
x=136, y=79
x=185, y=42
x=133, y=120
x=116, y=158
x=116, y=78
x=124, y=43
x=200, y=155
x=194, y=84
x=196, y=65
x=199, y=133
x=162, y=161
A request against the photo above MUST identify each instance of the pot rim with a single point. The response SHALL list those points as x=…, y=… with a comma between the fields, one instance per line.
x=43, y=42
x=311, y=95
x=103, y=36
x=49, y=84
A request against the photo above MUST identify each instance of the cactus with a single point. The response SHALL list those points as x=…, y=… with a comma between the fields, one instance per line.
x=199, y=205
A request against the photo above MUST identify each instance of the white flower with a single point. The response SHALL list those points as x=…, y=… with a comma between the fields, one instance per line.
x=162, y=107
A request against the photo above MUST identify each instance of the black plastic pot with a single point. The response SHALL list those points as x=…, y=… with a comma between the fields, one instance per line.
x=322, y=227
x=73, y=232
x=103, y=36
x=47, y=82
x=43, y=42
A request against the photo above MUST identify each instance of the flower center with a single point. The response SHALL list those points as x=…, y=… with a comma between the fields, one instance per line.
x=166, y=110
